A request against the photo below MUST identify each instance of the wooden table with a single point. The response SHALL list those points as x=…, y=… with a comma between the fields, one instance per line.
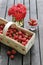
x=35, y=55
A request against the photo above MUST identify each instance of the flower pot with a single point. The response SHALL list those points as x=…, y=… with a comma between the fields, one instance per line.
x=19, y=23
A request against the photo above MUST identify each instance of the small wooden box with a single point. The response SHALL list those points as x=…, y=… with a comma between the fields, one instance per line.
x=13, y=43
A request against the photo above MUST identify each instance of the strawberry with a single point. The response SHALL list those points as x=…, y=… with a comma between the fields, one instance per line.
x=16, y=33
x=1, y=32
x=32, y=22
x=8, y=53
x=23, y=39
x=12, y=57
x=27, y=40
x=13, y=52
x=1, y=27
x=35, y=24
x=20, y=37
x=20, y=33
x=23, y=35
x=7, y=34
x=24, y=43
x=11, y=32
x=15, y=37
x=14, y=30
x=29, y=37
x=10, y=35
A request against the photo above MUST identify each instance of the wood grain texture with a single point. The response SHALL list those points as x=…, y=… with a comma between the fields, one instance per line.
x=26, y=58
x=18, y=57
x=40, y=20
x=35, y=56
x=10, y=3
x=35, y=11
x=4, y=57
x=3, y=8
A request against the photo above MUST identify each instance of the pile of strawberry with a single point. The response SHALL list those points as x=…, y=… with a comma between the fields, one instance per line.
x=18, y=11
x=16, y=34
x=32, y=22
x=11, y=53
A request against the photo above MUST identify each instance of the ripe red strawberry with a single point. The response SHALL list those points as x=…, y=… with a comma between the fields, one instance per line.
x=1, y=32
x=24, y=43
x=11, y=32
x=23, y=35
x=7, y=34
x=20, y=37
x=16, y=33
x=14, y=30
x=20, y=33
x=30, y=23
x=27, y=40
x=34, y=24
x=1, y=27
x=15, y=37
x=13, y=52
x=29, y=37
x=10, y=35
x=23, y=39
x=8, y=53
x=12, y=57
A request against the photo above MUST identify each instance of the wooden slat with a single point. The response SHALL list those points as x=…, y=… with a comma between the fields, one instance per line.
x=10, y=3
x=35, y=57
x=3, y=8
x=4, y=57
x=0, y=44
x=18, y=59
x=26, y=2
x=18, y=1
x=40, y=19
x=0, y=2
x=33, y=9
x=26, y=58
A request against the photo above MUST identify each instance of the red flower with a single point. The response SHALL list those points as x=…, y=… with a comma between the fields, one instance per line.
x=18, y=11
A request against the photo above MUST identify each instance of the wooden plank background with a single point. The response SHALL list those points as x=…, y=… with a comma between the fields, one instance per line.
x=35, y=11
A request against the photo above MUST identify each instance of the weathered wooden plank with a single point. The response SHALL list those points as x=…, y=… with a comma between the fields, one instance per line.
x=35, y=57
x=26, y=3
x=40, y=19
x=0, y=2
x=3, y=8
x=33, y=9
x=18, y=59
x=26, y=58
x=0, y=44
x=4, y=57
x=10, y=3
x=3, y=51
x=18, y=1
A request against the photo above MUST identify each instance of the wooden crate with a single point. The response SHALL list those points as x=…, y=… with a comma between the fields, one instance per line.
x=13, y=43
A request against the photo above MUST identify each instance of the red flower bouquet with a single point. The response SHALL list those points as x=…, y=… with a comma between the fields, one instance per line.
x=18, y=13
